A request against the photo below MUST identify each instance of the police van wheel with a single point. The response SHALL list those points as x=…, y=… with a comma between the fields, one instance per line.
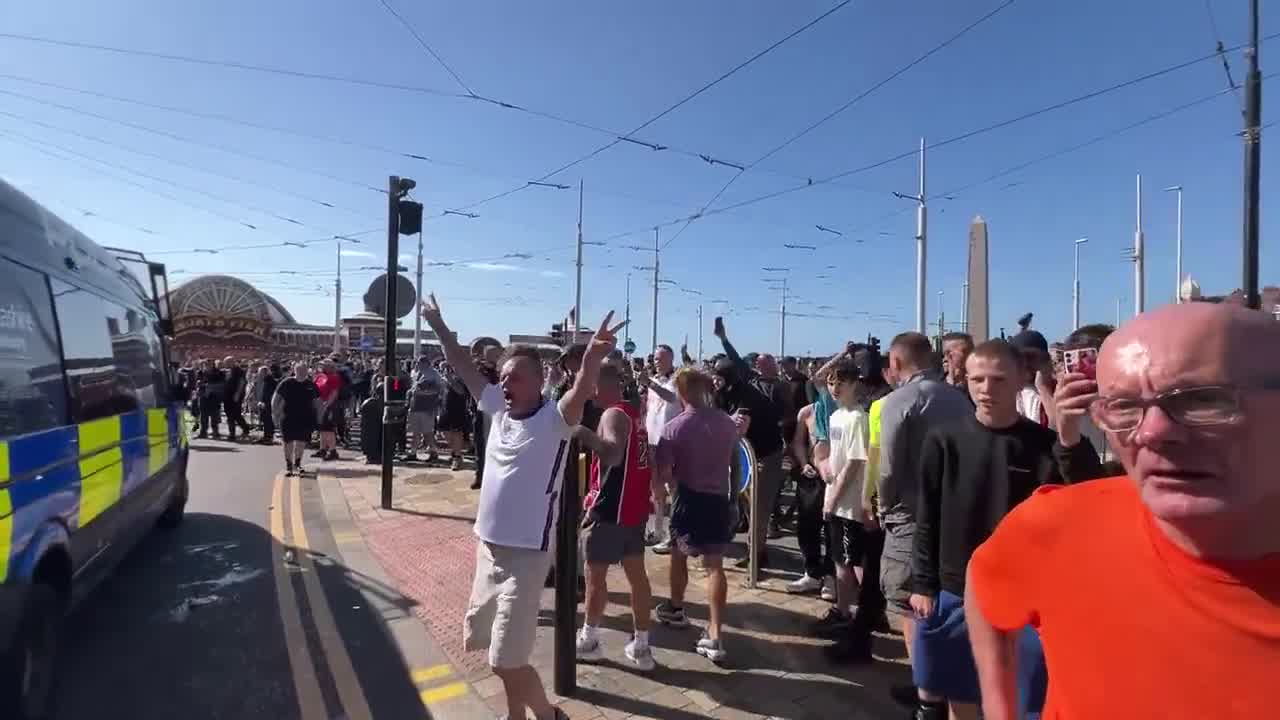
x=177, y=510
x=27, y=668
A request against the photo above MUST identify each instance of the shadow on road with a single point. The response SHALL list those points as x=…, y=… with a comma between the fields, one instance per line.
x=189, y=626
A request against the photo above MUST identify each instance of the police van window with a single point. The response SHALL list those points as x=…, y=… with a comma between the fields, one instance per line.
x=136, y=351
x=32, y=394
x=97, y=386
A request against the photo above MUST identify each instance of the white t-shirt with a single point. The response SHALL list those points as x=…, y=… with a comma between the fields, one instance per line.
x=848, y=433
x=1029, y=404
x=523, y=474
x=659, y=412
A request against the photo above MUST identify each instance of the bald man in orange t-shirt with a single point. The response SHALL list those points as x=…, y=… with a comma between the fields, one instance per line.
x=1156, y=594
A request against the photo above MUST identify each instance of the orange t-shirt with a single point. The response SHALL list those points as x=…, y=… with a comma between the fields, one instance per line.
x=1132, y=626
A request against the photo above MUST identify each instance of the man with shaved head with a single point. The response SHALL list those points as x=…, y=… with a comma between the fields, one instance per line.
x=1157, y=593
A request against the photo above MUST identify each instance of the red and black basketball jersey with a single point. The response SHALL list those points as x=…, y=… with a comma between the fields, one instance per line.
x=619, y=494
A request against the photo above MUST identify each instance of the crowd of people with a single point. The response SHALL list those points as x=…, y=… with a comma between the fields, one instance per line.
x=1084, y=528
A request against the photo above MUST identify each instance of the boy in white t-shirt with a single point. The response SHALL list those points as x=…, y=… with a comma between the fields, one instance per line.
x=845, y=472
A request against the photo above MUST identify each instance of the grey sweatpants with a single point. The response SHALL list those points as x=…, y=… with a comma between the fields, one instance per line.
x=770, y=479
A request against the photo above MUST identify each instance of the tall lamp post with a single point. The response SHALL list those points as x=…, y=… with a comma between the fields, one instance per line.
x=1177, y=289
x=1075, y=287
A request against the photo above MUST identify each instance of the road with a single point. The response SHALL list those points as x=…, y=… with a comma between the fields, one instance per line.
x=219, y=620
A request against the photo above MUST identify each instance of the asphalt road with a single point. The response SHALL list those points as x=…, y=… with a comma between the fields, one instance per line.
x=190, y=625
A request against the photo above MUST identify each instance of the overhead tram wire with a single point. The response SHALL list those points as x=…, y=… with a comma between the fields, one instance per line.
x=167, y=182
x=237, y=248
x=171, y=161
x=398, y=152
x=850, y=103
x=427, y=47
x=627, y=137
x=942, y=143
x=36, y=145
x=199, y=143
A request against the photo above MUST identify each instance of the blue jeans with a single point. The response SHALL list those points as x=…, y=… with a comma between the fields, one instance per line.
x=942, y=659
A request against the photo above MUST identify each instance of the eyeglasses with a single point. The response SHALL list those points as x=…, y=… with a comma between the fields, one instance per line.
x=1190, y=407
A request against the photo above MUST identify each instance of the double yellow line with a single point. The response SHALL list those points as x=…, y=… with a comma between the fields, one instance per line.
x=334, y=652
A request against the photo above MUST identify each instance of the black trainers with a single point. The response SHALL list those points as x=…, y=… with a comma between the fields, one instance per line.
x=850, y=650
x=671, y=615
x=831, y=624
x=905, y=695
x=931, y=711
x=288, y=469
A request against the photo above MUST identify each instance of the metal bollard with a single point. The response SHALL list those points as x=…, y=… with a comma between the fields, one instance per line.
x=565, y=681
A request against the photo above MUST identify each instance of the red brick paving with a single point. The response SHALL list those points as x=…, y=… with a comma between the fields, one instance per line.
x=431, y=561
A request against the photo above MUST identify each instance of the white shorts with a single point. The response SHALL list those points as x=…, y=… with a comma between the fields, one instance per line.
x=505, y=600
x=421, y=423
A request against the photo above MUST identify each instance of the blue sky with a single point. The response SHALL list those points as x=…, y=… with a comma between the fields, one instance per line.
x=612, y=66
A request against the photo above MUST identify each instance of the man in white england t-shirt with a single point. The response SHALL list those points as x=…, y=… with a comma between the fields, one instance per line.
x=661, y=406
x=525, y=454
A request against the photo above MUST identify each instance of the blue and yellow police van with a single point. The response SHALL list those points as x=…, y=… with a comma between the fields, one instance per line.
x=93, y=450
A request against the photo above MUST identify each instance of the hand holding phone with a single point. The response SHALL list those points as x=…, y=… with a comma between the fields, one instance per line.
x=1082, y=360
x=719, y=327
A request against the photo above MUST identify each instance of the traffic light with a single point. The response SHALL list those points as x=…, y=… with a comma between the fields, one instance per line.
x=410, y=217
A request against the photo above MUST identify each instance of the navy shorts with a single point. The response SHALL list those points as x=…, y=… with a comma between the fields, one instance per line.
x=942, y=659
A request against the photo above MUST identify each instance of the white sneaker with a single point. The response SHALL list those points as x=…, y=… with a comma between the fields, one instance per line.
x=589, y=648
x=829, y=590
x=641, y=657
x=712, y=650
x=664, y=547
x=806, y=584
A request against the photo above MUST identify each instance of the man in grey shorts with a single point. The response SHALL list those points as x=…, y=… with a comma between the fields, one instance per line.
x=617, y=508
x=920, y=403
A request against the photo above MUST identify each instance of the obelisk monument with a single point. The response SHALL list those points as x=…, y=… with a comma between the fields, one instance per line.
x=978, y=311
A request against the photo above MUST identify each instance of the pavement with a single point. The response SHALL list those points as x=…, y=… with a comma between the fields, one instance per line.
x=302, y=598
x=425, y=546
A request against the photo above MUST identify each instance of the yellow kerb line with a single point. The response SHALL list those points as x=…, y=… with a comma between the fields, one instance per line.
x=350, y=694
x=442, y=693
x=427, y=674
x=310, y=701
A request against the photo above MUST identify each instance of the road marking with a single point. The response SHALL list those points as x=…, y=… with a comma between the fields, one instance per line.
x=347, y=538
x=350, y=693
x=310, y=701
x=442, y=693
x=427, y=674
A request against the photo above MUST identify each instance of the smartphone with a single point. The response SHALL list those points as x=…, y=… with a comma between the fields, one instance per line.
x=719, y=327
x=1081, y=360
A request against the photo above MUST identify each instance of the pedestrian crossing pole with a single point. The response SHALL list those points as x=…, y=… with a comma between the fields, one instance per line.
x=393, y=410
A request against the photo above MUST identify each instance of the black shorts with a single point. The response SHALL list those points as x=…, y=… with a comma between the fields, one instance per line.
x=848, y=541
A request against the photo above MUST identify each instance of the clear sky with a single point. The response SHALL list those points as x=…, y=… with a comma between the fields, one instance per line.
x=613, y=66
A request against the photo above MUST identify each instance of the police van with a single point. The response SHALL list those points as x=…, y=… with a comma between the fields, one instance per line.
x=93, y=440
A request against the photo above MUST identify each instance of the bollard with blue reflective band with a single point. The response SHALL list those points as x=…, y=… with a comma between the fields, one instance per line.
x=566, y=561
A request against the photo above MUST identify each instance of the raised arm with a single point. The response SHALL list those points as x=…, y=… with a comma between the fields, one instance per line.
x=685, y=358
x=744, y=370
x=610, y=444
x=584, y=385
x=647, y=383
x=458, y=357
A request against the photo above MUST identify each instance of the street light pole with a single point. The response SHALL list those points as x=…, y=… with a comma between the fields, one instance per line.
x=699, y=332
x=964, y=307
x=921, y=246
x=1075, y=288
x=1139, y=258
x=577, y=286
x=782, y=328
x=1177, y=289
x=417, y=315
x=627, y=327
x=337, y=299
x=655, y=291
x=1252, y=161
